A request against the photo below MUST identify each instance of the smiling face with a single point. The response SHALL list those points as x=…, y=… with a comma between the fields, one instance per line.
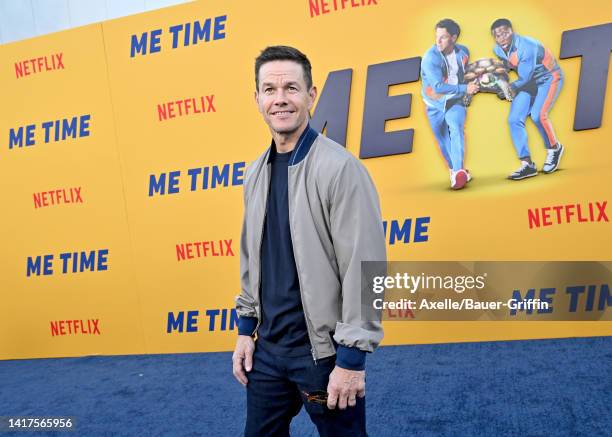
x=283, y=98
x=503, y=36
x=445, y=42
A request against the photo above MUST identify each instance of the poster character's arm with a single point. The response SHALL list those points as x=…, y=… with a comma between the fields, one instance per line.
x=525, y=68
x=434, y=73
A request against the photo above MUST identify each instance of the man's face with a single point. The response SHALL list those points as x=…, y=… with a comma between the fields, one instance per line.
x=503, y=36
x=444, y=40
x=283, y=98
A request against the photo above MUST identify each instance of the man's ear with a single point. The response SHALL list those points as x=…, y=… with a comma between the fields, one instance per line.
x=454, y=38
x=313, y=96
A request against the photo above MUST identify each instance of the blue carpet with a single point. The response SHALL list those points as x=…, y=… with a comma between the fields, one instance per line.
x=524, y=388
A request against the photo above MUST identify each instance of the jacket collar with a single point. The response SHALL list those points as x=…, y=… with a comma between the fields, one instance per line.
x=302, y=147
x=459, y=53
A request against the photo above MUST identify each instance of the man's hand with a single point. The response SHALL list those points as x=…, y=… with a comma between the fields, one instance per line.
x=243, y=358
x=472, y=88
x=344, y=386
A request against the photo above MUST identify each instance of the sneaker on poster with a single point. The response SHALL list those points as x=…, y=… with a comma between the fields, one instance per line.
x=553, y=156
x=459, y=178
x=526, y=170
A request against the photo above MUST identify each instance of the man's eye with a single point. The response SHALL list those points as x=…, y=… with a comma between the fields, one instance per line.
x=292, y=88
x=268, y=90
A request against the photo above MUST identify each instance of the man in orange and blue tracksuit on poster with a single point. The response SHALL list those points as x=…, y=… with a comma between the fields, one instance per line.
x=535, y=91
x=442, y=70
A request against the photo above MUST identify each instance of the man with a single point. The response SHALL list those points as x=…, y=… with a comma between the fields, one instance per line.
x=442, y=70
x=535, y=91
x=311, y=216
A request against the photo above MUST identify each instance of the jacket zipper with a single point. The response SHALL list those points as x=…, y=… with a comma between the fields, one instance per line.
x=297, y=267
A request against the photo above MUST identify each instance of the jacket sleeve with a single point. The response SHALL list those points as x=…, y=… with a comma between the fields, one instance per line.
x=433, y=73
x=526, y=67
x=245, y=303
x=357, y=235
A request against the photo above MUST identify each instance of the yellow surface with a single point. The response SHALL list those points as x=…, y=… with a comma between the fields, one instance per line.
x=132, y=299
x=29, y=304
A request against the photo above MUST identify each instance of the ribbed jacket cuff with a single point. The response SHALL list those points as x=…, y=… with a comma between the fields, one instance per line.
x=350, y=358
x=247, y=325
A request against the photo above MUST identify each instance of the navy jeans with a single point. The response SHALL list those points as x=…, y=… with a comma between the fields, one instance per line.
x=274, y=395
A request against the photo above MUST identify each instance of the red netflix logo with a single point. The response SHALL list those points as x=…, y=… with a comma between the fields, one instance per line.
x=57, y=197
x=204, y=249
x=184, y=107
x=322, y=7
x=570, y=213
x=39, y=65
x=75, y=327
x=399, y=314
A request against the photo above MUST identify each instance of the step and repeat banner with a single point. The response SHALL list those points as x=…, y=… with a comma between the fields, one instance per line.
x=125, y=146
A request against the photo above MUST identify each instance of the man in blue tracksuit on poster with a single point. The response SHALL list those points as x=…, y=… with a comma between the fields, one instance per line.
x=442, y=70
x=539, y=81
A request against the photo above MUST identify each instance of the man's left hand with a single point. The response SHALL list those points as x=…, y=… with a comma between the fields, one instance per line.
x=344, y=386
x=473, y=88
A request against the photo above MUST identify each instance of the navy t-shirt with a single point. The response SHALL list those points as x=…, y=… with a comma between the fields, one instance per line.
x=283, y=320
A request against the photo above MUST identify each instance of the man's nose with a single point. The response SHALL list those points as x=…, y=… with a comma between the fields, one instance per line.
x=280, y=97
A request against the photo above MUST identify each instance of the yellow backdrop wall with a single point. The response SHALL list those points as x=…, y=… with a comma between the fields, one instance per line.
x=121, y=221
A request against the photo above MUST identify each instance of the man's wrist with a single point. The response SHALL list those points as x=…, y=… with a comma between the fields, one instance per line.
x=247, y=325
x=350, y=358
